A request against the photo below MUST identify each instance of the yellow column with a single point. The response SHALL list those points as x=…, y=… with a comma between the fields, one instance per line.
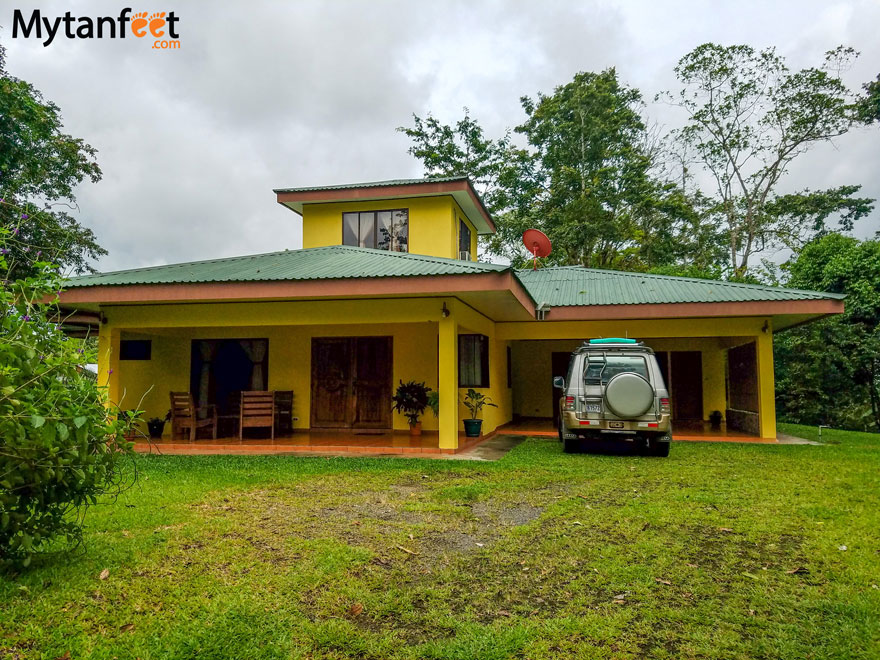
x=448, y=380
x=713, y=381
x=766, y=384
x=108, y=362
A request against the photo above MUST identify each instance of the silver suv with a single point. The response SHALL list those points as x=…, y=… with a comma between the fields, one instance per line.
x=614, y=391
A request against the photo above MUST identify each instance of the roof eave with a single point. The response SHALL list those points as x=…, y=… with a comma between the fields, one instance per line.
x=462, y=190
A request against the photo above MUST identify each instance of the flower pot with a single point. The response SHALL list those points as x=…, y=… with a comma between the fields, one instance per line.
x=472, y=427
x=156, y=428
x=415, y=429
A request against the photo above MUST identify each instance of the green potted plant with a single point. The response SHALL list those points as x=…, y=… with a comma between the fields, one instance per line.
x=410, y=400
x=475, y=401
x=156, y=426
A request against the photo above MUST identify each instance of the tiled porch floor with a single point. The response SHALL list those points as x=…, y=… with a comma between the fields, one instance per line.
x=321, y=442
x=681, y=431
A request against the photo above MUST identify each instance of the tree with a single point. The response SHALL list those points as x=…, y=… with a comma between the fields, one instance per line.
x=40, y=166
x=460, y=150
x=828, y=372
x=749, y=117
x=62, y=447
x=586, y=177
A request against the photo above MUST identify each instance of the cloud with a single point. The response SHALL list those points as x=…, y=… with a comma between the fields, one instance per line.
x=268, y=94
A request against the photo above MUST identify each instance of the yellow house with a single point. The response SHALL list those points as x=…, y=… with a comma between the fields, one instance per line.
x=388, y=288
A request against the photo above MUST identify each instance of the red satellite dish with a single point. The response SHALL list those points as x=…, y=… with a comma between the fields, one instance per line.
x=538, y=244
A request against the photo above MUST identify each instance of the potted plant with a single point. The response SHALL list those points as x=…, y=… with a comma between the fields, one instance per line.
x=715, y=420
x=474, y=402
x=156, y=426
x=410, y=400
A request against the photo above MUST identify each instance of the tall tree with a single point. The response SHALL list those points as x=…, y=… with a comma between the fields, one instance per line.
x=828, y=372
x=585, y=177
x=40, y=166
x=749, y=117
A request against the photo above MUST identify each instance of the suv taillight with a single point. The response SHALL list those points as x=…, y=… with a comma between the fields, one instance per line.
x=664, y=405
x=569, y=403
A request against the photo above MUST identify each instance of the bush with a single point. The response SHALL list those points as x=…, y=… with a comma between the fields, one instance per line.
x=62, y=447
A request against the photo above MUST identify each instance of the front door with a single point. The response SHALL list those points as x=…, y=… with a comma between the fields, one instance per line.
x=351, y=382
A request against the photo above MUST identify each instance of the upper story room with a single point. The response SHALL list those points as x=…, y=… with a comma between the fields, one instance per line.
x=437, y=217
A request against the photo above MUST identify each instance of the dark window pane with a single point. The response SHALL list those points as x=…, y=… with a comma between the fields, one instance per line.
x=367, y=236
x=464, y=237
x=350, y=229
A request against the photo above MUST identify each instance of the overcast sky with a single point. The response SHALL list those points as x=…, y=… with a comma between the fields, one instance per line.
x=281, y=94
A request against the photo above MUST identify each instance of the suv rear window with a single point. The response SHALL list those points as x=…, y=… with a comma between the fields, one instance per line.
x=602, y=368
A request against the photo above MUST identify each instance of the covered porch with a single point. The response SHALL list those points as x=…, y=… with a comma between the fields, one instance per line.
x=340, y=359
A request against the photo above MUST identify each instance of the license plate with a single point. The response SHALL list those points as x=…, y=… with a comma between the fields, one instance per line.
x=593, y=408
x=615, y=425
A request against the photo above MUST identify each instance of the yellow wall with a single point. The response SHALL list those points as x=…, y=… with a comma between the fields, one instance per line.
x=433, y=224
x=289, y=363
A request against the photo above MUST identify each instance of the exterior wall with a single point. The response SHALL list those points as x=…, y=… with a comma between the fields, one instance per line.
x=532, y=367
x=433, y=223
x=289, y=363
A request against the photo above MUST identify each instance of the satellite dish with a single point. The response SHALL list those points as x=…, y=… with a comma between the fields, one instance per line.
x=538, y=244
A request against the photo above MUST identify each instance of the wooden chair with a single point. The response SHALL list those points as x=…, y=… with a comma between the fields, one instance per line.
x=284, y=411
x=184, y=415
x=257, y=411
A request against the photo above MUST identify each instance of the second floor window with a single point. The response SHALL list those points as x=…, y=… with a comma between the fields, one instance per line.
x=464, y=239
x=381, y=230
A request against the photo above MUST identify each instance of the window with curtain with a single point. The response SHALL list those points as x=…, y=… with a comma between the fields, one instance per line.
x=380, y=230
x=473, y=361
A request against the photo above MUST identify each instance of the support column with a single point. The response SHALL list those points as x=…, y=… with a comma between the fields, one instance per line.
x=766, y=383
x=448, y=380
x=108, y=362
x=714, y=395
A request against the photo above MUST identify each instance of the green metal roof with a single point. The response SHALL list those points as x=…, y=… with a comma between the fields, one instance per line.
x=335, y=262
x=566, y=286
x=375, y=184
x=560, y=286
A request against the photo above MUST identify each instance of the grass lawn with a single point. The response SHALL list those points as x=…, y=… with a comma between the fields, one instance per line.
x=720, y=551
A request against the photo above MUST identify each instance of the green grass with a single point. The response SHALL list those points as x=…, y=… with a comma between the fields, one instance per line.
x=540, y=555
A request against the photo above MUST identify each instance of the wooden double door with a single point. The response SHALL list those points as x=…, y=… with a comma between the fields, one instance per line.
x=351, y=383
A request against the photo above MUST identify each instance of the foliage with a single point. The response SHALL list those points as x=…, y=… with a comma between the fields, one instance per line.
x=869, y=106
x=749, y=117
x=61, y=446
x=828, y=372
x=40, y=166
x=461, y=150
x=410, y=400
x=474, y=401
x=434, y=402
x=587, y=178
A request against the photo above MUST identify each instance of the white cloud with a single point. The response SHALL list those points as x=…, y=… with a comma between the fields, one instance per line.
x=269, y=94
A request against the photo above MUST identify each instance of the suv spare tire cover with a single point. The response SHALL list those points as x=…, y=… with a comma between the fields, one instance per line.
x=629, y=395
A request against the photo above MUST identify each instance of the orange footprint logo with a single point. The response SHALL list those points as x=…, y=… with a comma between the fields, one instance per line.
x=157, y=22
x=139, y=22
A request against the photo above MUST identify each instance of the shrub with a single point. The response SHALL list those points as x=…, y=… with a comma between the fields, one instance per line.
x=62, y=447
